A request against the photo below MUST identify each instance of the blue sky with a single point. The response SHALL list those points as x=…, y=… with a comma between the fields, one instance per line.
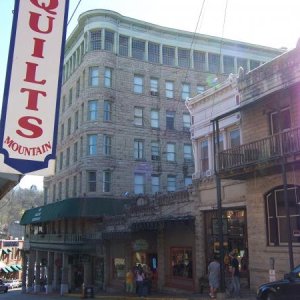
x=273, y=23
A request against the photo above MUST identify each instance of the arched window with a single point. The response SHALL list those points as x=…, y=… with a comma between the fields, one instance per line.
x=276, y=215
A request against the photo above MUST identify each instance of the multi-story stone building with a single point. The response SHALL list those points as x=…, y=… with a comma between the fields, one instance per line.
x=255, y=120
x=124, y=138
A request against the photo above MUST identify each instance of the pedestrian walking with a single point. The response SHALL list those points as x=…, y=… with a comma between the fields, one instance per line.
x=213, y=277
x=235, y=275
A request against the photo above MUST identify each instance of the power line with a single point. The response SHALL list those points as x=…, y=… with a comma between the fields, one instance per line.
x=73, y=12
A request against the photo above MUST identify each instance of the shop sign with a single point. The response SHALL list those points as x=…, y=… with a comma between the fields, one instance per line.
x=139, y=245
x=296, y=232
x=29, y=120
x=10, y=243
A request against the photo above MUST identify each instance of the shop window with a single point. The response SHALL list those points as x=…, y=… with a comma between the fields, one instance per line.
x=118, y=268
x=181, y=260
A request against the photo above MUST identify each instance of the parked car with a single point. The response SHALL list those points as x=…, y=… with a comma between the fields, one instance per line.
x=3, y=287
x=287, y=288
x=12, y=283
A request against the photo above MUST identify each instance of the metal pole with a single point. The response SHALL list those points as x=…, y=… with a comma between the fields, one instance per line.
x=216, y=134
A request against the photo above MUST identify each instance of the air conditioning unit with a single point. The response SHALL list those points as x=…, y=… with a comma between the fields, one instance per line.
x=153, y=93
x=155, y=157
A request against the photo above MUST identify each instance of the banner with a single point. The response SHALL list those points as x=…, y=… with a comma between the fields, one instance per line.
x=29, y=119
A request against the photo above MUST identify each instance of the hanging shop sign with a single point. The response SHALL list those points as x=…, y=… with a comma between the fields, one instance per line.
x=28, y=132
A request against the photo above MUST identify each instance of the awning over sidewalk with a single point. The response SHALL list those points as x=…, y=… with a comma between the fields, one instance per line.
x=74, y=208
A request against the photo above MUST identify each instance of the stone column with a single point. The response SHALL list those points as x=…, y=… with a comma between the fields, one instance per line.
x=37, y=283
x=24, y=270
x=50, y=270
x=30, y=283
x=56, y=269
x=64, y=288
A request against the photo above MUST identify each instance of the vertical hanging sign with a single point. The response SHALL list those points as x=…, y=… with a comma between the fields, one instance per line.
x=28, y=132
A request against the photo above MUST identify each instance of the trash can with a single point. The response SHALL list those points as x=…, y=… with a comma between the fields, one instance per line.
x=88, y=292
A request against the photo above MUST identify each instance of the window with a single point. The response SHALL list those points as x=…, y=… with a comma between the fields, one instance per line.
x=199, y=61
x=154, y=118
x=59, y=190
x=70, y=96
x=138, y=49
x=69, y=126
x=107, y=110
x=234, y=136
x=171, y=183
x=184, y=58
x=213, y=63
x=107, y=145
x=138, y=84
x=106, y=181
x=280, y=121
x=138, y=149
x=68, y=157
x=123, y=45
x=91, y=181
x=77, y=88
x=138, y=116
x=62, y=132
x=109, y=40
x=185, y=91
x=119, y=268
x=154, y=86
x=200, y=89
x=75, y=152
x=92, y=110
x=95, y=40
x=204, y=159
x=139, y=184
x=155, y=184
x=74, y=193
x=170, y=120
x=182, y=262
x=63, y=107
x=61, y=159
x=93, y=76
x=67, y=187
x=242, y=62
x=254, y=64
x=186, y=121
x=92, y=144
x=171, y=152
x=108, y=77
x=228, y=64
x=170, y=89
x=153, y=52
x=276, y=215
x=187, y=152
x=187, y=181
x=76, y=121
x=155, y=151
x=168, y=56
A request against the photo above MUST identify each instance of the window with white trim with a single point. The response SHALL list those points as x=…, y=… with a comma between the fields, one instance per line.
x=106, y=181
x=68, y=157
x=153, y=86
x=107, y=144
x=154, y=118
x=153, y=52
x=138, y=84
x=184, y=57
x=186, y=118
x=91, y=181
x=109, y=40
x=138, y=49
x=139, y=184
x=168, y=55
x=95, y=40
x=155, y=184
x=170, y=120
x=123, y=45
x=92, y=144
x=108, y=77
x=171, y=183
x=187, y=152
x=93, y=76
x=138, y=116
x=199, y=60
x=155, y=151
x=171, y=154
x=185, y=91
x=107, y=116
x=138, y=149
x=92, y=110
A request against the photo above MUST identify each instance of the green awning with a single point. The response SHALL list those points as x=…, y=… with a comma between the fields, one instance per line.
x=6, y=251
x=9, y=269
x=4, y=270
x=14, y=268
x=75, y=208
x=19, y=266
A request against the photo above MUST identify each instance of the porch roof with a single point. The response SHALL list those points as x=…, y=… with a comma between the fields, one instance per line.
x=74, y=208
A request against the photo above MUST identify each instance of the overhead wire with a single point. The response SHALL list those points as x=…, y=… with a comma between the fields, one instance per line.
x=74, y=12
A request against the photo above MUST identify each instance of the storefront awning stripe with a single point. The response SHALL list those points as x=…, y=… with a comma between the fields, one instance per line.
x=14, y=267
x=4, y=270
x=19, y=266
x=9, y=269
x=5, y=251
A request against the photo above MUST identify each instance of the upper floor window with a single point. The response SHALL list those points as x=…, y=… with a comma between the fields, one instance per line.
x=106, y=181
x=138, y=84
x=187, y=152
x=109, y=40
x=204, y=158
x=185, y=91
x=254, y=64
x=168, y=56
x=200, y=89
x=139, y=183
x=280, y=121
x=92, y=110
x=170, y=89
x=242, y=62
x=154, y=118
x=123, y=45
x=74, y=191
x=199, y=61
x=75, y=152
x=108, y=77
x=70, y=96
x=155, y=184
x=234, y=136
x=153, y=52
x=92, y=144
x=171, y=154
x=77, y=88
x=107, y=144
x=93, y=76
x=184, y=58
x=154, y=86
x=69, y=126
x=62, y=132
x=188, y=181
x=213, y=63
x=170, y=120
x=68, y=157
x=91, y=181
x=228, y=64
x=138, y=149
x=138, y=49
x=95, y=40
x=107, y=110
x=63, y=107
x=155, y=151
x=186, y=121
x=61, y=160
x=171, y=183
x=76, y=122
x=138, y=116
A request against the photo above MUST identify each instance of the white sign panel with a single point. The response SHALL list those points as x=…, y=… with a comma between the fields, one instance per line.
x=29, y=118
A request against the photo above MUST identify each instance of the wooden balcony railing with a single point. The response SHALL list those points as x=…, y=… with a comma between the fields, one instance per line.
x=270, y=148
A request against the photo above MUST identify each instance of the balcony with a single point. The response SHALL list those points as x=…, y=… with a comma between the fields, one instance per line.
x=264, y=154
